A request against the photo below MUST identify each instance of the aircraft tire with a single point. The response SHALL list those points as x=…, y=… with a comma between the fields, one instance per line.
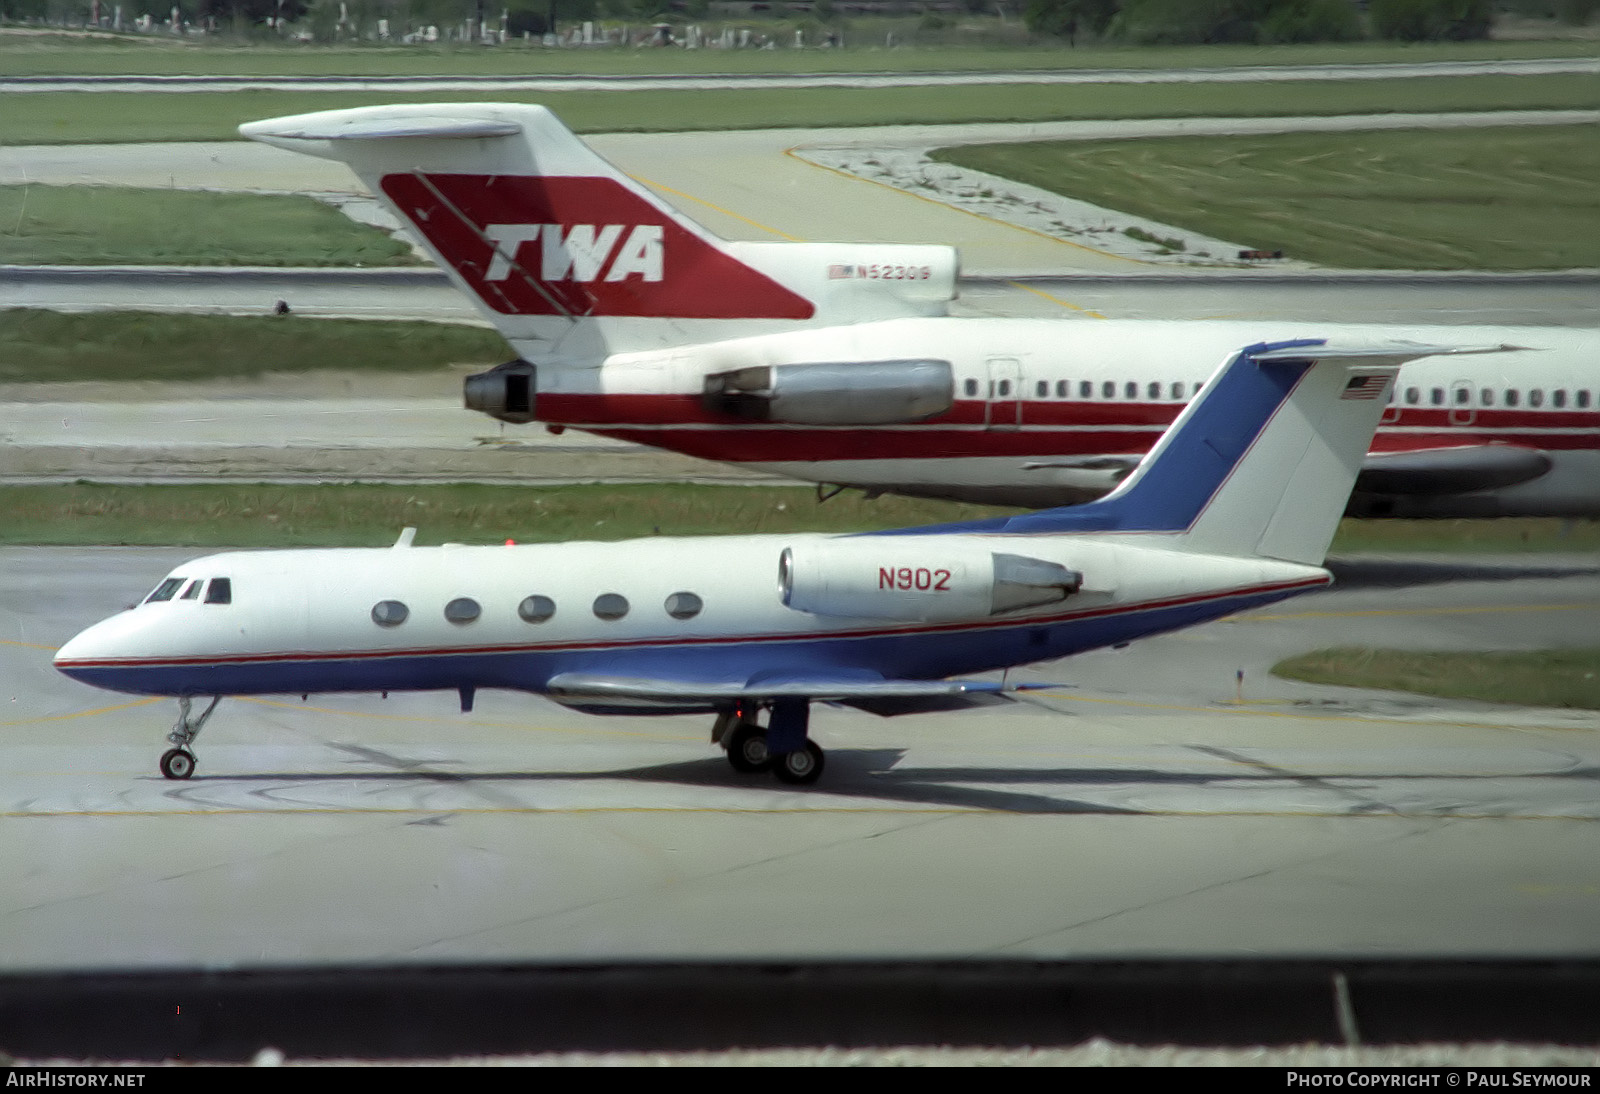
x=747, y=749
x=801, y=767
x=177, y=763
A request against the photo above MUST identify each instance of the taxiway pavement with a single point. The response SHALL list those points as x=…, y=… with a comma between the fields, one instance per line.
x=1142, y=811
x=1153, y=808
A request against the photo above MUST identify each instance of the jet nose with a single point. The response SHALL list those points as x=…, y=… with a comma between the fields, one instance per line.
x=81, y=647
x=94, y=647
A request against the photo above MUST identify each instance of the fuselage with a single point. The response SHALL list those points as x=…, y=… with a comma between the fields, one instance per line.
x=712, y=609
x=1049, y=412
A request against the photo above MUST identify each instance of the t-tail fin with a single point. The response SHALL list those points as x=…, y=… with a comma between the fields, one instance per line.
x=573, y=260
x=1261, y=462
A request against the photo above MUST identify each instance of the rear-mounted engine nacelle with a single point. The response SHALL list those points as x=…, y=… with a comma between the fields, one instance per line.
x=506, y=391
x=878, y=578
x=834, y=392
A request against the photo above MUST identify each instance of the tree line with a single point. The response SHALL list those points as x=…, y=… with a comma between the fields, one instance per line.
x=1152, y=22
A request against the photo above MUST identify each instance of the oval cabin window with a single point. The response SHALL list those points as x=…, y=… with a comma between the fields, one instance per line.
x=463, y=609
x=684, y=605
x=610, y=606
x=389, y=613
x=536, y=609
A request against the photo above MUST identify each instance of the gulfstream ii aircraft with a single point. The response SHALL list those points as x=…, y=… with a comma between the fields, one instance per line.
x=840, y=363
x=1234, y=508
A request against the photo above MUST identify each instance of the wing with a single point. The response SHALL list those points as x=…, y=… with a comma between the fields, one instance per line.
x=1451, y=470
x=601, y=694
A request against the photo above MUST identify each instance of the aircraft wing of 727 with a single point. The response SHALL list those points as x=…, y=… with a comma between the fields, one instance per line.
x=840, y=363
x=1233, y=508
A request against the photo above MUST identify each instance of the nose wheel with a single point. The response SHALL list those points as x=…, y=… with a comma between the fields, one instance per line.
x=178, y=763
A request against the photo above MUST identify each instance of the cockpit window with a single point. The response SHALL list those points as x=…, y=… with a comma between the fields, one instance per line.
x=192, y=591
x=220, y=591
x=165, y=590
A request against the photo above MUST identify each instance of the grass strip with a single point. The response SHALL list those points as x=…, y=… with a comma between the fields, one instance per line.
x=1496, y=198
x=72, y=55
x=1502, y=536
x=107, y=225
x=1542, y=678
x=89, y=117
x=38, y=346
x=333, y=515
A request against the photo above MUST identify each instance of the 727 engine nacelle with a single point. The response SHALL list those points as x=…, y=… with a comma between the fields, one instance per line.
x=891, y=578
x=834, y=392
x=506, y=391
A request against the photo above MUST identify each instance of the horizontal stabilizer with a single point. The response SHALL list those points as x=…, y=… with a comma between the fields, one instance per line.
x=331, y=127
x=1389, y=354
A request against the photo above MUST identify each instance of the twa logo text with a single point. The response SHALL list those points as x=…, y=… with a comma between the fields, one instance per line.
x=580, y=253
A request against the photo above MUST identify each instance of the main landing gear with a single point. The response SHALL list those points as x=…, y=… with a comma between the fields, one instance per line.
x=782, y=747
x=178, y=763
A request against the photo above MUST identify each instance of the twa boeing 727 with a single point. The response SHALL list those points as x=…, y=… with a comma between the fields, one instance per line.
x=840, y=363
x=1234, y=508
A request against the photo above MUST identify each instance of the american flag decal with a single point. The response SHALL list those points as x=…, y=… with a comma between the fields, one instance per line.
x=1364, y=387
x=836, y=273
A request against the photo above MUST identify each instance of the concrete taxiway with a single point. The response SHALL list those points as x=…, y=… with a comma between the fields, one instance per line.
x=1152, y=808
x=1155, y=807
x=1515, y=299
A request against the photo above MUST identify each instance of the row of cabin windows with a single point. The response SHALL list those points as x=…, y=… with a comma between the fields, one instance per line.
x=1085, y=389
x=219, y=591
x=536, y=609
x=1462, y=396
x=1178, y=390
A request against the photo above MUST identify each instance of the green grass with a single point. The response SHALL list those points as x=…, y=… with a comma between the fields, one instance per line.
x=97, y=226
x=44, y=346
x=1510, y=199
x=1519, y=536
x=250, y=515
x=254, y=515
x=71, y=55
x=85, y=117
x=1545, y=678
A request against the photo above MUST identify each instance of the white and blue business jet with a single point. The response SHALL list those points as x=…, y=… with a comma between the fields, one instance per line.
x=1234, y=508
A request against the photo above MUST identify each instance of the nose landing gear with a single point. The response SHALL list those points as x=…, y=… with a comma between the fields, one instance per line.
x=178, y=763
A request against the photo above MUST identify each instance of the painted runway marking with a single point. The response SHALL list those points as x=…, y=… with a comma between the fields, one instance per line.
x=725, y=212
x=1229, y=707
x=84, y=713
x=1056, y=299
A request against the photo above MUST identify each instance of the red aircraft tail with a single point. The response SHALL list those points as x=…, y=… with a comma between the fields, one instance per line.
x=574, y=260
